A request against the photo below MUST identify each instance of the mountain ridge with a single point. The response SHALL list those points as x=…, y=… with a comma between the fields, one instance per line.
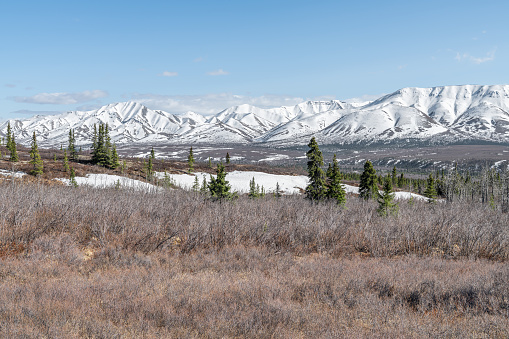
x=438, y=114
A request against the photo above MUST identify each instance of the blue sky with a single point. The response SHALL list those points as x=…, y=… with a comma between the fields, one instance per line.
x=208, y=55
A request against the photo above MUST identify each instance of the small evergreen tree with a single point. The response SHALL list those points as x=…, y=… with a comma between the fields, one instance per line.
x=227, y=157
x=386, y=206
x=73, y=154
x=277, y=192
x=210, y=162
x=152, y=154
x=219, y=187
x=401, y=181
x=114, y=158
x=316, y=190
x=72, y=178
x=190, y=160
x=204, y=186
x=66, y=162
x=196, y=184
x=430, y=191
x=149, y=171
x=254, y=192
x=335, y=190
x=35, y=158
x=394, y=176
x=11, y=144
x=367, y=186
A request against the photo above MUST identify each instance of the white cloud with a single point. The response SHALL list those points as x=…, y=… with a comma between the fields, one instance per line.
x=29, y=112
x=62, y=98
x=218, y=72
x=169, y=74
x=213, y=103
x=364, y=98
x=10, y=85
x=199, y=59
x=490, y=56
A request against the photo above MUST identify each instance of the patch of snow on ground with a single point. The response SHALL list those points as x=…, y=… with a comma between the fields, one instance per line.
x=276, y=157
x=408, y=195
x=107, y=180
x=288, y=184
x=13, y=174
x=498, y=163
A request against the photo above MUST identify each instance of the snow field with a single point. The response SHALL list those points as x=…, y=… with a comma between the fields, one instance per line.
x=107, y=180
x=288, y=184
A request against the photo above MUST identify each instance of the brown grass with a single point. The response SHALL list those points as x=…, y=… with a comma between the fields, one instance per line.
x=117, y=263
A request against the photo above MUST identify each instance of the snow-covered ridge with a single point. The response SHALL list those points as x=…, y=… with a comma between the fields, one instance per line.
x=439, y=113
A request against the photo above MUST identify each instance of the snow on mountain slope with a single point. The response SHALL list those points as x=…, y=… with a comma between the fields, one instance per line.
x=471, y=112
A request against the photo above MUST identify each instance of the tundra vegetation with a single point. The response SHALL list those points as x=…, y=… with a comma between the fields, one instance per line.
x=84, y=262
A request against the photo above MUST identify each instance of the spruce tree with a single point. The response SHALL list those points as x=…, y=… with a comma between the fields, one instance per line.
x=394, y=176
x=114, y=158
x=11, y=144
x=210, y=162
x=196, y=184
x=277, y=192
x=367, y=186
x=66, y=162
x=335, y=190
x=254, y=191
x=149, y=169
x=204, y=186
x=430, y=191
x=35, y=158
x=227, y=157
x=190, y=160
x=73, y=154
x=219, y=187
x=72, y=178
x=386, y=206
x=152, y=154
x=316, y=190
x=101, y=144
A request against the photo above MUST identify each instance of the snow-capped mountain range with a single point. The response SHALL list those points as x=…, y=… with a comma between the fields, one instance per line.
x=438, y=114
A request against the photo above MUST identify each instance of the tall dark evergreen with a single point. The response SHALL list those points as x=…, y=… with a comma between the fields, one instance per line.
x=227, y=157
x=66, y=162
x=219, y=187
x=316, y=189
x=430, y=191
x=394, y=176
x=386, y=204
x=190, y=160
x=73, y=153
x=335, y=190
x=11, y=144
x=114, y=157
x=277, y=192
x=149, y=168
x=254, y=191
x=368, y=188
x=101, y=152
x=35, y=158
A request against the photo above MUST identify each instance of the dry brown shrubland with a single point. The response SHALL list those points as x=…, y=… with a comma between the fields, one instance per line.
x=117, y=263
